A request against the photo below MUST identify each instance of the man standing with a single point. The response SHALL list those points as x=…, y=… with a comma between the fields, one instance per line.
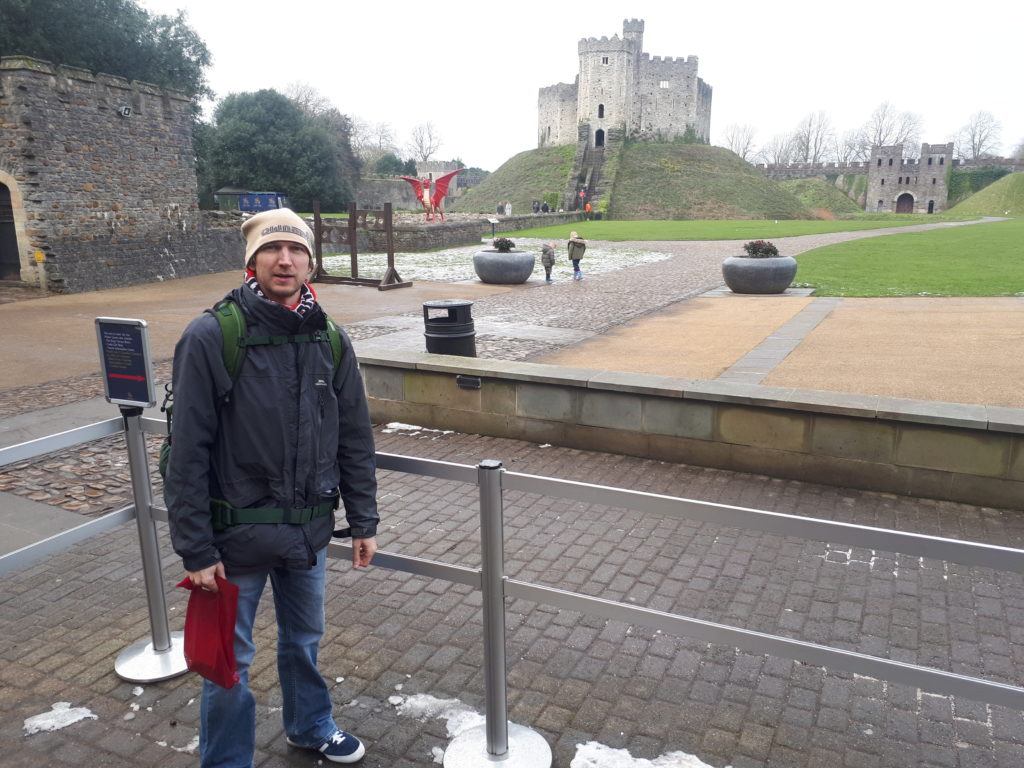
x=257, y=468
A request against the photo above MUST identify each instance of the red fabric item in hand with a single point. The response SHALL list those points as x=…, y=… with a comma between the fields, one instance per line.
x=210, y=632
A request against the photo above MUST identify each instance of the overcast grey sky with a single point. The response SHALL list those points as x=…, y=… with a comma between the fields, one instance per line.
x=473, y=68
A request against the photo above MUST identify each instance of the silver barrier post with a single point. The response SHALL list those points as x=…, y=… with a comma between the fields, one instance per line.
x=163, y=655
x=497, y=741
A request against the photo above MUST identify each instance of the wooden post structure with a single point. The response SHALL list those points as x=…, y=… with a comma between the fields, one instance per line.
x=353, y=219
x=318, y=235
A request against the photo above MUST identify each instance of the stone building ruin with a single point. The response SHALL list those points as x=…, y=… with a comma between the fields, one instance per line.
x=98, y=182
x=620, y=89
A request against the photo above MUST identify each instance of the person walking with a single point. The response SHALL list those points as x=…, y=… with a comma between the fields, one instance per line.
x=547, y=259
x=577, y=245
x=257, y=468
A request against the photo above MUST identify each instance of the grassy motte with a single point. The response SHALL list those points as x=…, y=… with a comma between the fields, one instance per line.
x=672, y=180
x=1001, y=198
x=524, y=178
x=823, y=199
x=717, y=230
x=968, y=260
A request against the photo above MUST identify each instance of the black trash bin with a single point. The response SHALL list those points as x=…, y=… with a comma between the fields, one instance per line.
x=452, y=333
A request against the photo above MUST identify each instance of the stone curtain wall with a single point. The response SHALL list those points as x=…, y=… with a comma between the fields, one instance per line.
x=668, y=111
x=556, y=115
x=811, y=170
x=109, y=199
x=967, y=453
x=374, y=192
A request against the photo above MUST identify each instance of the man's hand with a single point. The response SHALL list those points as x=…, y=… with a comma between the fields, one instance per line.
x=205, y=579
x=362, y=551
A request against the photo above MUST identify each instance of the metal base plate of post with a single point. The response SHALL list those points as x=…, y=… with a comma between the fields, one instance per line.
x=139, y=663
x=526, y=749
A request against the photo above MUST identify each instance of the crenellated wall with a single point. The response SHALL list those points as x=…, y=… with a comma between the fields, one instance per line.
x=620, y=88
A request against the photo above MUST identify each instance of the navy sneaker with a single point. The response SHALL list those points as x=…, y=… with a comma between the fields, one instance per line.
x=341, y=747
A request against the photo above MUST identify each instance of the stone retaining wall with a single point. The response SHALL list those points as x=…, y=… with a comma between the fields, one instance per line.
x=431, y=236
x=967, y=453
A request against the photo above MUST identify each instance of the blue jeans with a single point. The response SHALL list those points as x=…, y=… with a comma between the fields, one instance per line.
x=227, y=734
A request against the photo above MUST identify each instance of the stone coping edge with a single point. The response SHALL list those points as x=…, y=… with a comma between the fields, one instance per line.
x=966, y=416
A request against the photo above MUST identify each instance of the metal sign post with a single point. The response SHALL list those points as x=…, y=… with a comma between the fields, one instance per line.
x=128, y=381
x=498, y=740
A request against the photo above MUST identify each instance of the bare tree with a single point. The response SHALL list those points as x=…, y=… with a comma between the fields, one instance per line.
x=847, y=148
x=372, y=140
x=740, y=139
x=1018, y=153
x=309, y=99
x=887, y=126
x=812, y=139
x=979, y=137
x=778, y=150
x=424, y=141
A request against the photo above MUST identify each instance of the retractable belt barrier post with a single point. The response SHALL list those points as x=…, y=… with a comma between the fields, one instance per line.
x=163, y=655
x=514, y=746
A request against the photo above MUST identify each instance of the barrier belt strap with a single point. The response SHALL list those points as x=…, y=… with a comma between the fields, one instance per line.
x=224, y=515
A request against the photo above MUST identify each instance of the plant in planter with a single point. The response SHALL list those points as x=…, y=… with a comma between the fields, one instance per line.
x=503, y=264
x=760, y=270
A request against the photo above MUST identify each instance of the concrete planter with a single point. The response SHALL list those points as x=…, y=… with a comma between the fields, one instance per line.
x=509, y=268
x=746, y=275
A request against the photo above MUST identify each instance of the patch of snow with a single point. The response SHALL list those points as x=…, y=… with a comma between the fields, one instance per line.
x=438, y=754
x=190, y=747
x=60, y=716
x=422, y=706
x=397, y=426
x=398, y=687
x=394, y=701
x=544, y=445
x=190, y=702
x=138, y=690
x=596, y=755
x=339, y=679
x=134, y=707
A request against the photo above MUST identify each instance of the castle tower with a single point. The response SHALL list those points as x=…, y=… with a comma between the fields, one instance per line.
x=609, y=70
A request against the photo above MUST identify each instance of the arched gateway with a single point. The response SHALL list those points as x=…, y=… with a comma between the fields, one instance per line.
x=905, y=203
x=12, y=234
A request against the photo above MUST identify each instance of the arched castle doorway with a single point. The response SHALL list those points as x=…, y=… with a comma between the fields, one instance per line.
x=599, y=138
x=10, y=259
x=931, y=206
x=905, y=203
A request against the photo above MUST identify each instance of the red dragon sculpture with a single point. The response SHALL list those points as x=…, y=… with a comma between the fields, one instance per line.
x=433, y=201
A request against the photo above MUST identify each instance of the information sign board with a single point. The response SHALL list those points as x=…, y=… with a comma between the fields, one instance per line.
x=125, y=362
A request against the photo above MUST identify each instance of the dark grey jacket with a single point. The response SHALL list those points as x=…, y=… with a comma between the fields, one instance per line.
x=286, y=434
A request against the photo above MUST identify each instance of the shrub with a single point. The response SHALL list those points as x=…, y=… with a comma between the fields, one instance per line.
x=503, y=245
x=760, y=249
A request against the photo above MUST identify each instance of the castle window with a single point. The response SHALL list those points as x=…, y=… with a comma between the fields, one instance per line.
x=881, y=203
x=604, y=59
x=942, y=161
x=930, y=160
x=933, y=179
x=900, y=181
x=879, y=162
x=664, y=84
x=600, y=110
x=890, y=161
x=883, y=182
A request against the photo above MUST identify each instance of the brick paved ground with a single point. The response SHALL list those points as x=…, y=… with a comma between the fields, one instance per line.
x=572, y=677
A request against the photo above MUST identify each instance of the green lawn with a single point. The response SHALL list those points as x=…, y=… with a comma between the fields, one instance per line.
x=718, y=230
x=973, y=260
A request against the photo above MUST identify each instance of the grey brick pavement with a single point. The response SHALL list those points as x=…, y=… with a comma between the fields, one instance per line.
x=573, y=677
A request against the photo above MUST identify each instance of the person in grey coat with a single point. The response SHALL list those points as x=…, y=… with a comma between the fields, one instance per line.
x=256, y=469
x=577, y=245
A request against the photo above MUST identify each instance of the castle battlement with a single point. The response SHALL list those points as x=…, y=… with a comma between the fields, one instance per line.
x=622, y=91
x=75, y=74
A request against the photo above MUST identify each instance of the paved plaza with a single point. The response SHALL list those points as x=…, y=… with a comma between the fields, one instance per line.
x=574, y=678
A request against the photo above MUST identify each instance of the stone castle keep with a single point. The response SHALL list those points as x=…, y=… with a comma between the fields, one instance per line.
x=899, y=185
x=98, y=182
x=620, y=88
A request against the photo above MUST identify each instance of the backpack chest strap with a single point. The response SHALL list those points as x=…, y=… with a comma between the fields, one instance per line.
x=279, y=339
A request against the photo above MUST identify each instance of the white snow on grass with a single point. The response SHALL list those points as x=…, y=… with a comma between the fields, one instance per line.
x=455, y=264
x=596, y=755
x=60, y=716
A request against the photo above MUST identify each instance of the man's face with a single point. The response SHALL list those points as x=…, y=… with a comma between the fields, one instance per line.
x=281, y=267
